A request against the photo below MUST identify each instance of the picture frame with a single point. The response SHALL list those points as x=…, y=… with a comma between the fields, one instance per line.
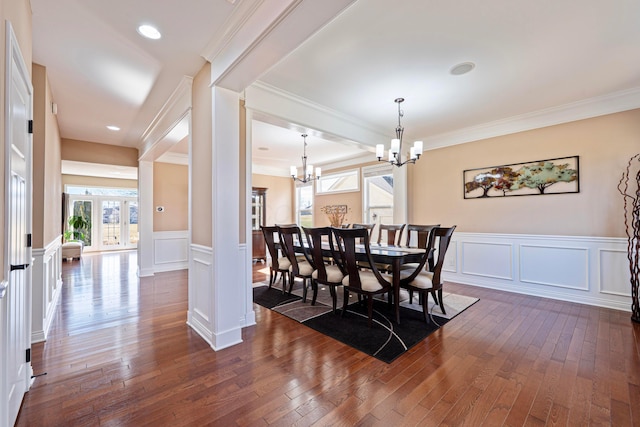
x=536, y=178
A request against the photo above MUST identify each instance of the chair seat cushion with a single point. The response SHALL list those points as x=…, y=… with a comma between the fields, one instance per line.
x=368, y=280
x=283, y=263
x=304, y=269
x=424, y=280
x=410, y=266
x=334, y=275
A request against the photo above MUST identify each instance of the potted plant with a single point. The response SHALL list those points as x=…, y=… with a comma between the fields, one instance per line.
x=78, y=225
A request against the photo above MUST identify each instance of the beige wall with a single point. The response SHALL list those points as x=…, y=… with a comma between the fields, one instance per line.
x=170, y=190
x=47, y=186
x=18, y=12
x=93, y=152
x=201, y=138
x=279, y=200
x=94, y=181
x=604, y=145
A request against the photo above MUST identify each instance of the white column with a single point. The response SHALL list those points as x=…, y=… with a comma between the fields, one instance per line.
x=250, y=315
x=145, y=218
x=228, y=287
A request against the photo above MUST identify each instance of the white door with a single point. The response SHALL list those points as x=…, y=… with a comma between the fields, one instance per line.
x=16, y=304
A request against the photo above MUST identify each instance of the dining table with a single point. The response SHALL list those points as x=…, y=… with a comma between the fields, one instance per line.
x=394, y=255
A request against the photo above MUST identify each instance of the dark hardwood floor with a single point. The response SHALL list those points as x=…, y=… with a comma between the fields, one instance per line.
x=120, y=354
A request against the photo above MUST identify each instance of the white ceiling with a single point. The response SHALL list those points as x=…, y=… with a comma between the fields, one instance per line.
x=531, y=58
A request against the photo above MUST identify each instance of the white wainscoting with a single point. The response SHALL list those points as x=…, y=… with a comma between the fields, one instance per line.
x=170, y=250
x=46, y=276
x=587, y=270
x=200, y=314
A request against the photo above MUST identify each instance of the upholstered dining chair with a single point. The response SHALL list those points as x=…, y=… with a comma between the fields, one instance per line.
x=393, y=232
x=428, y=281
x=279, y=263
x=301, y=267
x=328, y=274
x=368, y=227
x=420, y=236
x=366, y=283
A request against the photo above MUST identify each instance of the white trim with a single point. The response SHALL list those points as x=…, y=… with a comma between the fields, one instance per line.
x=174, y=158
x=170, y=250
x=46, y=288
x=176, y=109
x=587, y=108
x=573, y=278
x=14, y=61
x=343, y=173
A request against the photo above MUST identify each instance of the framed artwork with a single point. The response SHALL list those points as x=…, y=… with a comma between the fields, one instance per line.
x=537, y=178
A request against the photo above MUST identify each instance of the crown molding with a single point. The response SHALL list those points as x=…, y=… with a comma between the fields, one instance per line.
x=580, y=110
x=238, y=18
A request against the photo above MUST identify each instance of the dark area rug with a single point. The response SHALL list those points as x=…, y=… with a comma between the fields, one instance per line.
x=271, y=298
x=384, y=340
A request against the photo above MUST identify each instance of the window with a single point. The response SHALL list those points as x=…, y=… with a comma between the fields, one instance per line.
x=304, y=205
x=339, y=182
x=378, y=194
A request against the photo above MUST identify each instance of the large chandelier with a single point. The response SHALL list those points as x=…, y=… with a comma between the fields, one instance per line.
x=395, y=152
x=307, y=170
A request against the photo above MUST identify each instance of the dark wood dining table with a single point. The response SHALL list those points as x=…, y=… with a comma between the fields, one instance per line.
x=386, y=254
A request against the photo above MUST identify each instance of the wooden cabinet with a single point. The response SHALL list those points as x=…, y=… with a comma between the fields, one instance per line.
x=258, y=218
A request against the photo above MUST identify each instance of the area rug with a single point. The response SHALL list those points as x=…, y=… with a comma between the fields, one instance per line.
x=385, y=340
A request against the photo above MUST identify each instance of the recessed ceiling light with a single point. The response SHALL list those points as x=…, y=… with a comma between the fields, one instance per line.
x=149, y=32
x=113, y=128
x=462, y=68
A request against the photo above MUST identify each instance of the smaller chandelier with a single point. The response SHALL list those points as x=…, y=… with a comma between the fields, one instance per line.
x=307, y=170
x=395, y=152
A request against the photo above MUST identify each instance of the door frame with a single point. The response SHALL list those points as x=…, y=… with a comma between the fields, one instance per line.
x=14, y=60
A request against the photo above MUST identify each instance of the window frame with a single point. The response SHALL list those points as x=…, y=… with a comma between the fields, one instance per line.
x=356, y=172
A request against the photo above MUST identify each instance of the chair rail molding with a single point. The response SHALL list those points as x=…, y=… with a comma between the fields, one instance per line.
x=581, y=269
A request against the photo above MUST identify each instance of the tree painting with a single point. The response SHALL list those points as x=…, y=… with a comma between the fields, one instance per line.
x=542, y=175
x=484, y=181
x=522, y=178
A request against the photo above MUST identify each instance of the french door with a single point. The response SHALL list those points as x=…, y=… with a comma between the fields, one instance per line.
x=113, y=221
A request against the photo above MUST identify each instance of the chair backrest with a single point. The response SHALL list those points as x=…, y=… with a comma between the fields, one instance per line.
x=347, y=238
x=315, y=238
x=368, y=227
x=394, y=233
x=421, y=233
x=290, y=237
x=268, y=232
x=443, y=235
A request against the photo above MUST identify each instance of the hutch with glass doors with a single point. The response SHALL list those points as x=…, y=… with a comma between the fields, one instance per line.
x=258, y=218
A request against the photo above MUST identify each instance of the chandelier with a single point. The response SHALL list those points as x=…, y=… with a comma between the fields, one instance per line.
x=395, y=152
x=307, y=170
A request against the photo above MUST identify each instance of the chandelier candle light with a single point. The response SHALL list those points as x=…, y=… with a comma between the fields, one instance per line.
x=307, y=170
x=395, y=153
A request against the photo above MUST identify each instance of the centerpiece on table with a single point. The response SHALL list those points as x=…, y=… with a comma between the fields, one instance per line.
x=337, y=214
